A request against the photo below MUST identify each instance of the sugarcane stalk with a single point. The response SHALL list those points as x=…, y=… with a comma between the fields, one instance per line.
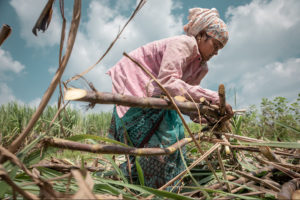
x=115, y=149
x=133, y=101
x=222, y=99
x=288, y=189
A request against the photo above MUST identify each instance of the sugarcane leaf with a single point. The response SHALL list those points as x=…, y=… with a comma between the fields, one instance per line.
x=95, y=137
x=22, y=154
x=139, y=171
x=165, y=194
x=144, y=190
x=288, y=127
x=80, y=137
x=115, y=166
x=222, y=193
x=108, y=188
x=12, y=169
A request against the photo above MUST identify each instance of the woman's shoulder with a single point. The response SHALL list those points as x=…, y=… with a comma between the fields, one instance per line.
x=181, y=39
x=183, y=42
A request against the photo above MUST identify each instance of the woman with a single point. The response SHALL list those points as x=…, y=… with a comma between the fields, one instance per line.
x=179, y=64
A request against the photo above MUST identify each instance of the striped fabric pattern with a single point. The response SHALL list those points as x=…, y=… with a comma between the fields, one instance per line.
x=208, y=20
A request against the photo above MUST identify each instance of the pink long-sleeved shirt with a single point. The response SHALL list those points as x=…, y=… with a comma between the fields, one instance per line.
x=175, y=62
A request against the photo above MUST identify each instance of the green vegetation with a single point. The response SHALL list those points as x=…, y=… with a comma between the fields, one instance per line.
x=277, y=120
x=14, y=117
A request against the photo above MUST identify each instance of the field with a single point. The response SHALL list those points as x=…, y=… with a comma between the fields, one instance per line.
x=53, y=152
x=277, y=120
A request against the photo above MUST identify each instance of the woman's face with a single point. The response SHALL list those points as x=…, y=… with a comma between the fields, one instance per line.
x=208, y=46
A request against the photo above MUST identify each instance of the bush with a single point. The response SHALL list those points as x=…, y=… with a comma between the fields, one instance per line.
x=277, y=120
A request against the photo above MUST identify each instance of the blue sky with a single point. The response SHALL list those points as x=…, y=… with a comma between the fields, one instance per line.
x=261, y=59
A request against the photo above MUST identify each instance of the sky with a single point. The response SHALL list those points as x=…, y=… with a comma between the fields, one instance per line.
x=260, y=60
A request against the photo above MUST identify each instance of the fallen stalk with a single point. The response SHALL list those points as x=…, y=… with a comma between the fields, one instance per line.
x=115, y=149
x=256, y=149
x=285, y=170
x=66, y=168
x=258, y=180
x=248, y=148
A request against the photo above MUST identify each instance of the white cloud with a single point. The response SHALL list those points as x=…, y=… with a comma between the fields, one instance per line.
x=275, y=79
x=7, y=63
x=261, y=58
x=6, y=94
x=52, y=70
x=28, y=12
x=34, y=103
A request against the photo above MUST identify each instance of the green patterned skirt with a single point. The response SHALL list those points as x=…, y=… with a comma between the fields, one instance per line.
x=147, y=127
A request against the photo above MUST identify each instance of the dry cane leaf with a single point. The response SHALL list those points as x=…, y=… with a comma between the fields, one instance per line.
x=107, y=196
x=268, y=153
x=45, y=18
x=4, y=33
x=36, y=173
x=85, y=185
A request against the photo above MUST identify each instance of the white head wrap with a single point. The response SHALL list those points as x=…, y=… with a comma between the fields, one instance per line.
x=209, y=21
